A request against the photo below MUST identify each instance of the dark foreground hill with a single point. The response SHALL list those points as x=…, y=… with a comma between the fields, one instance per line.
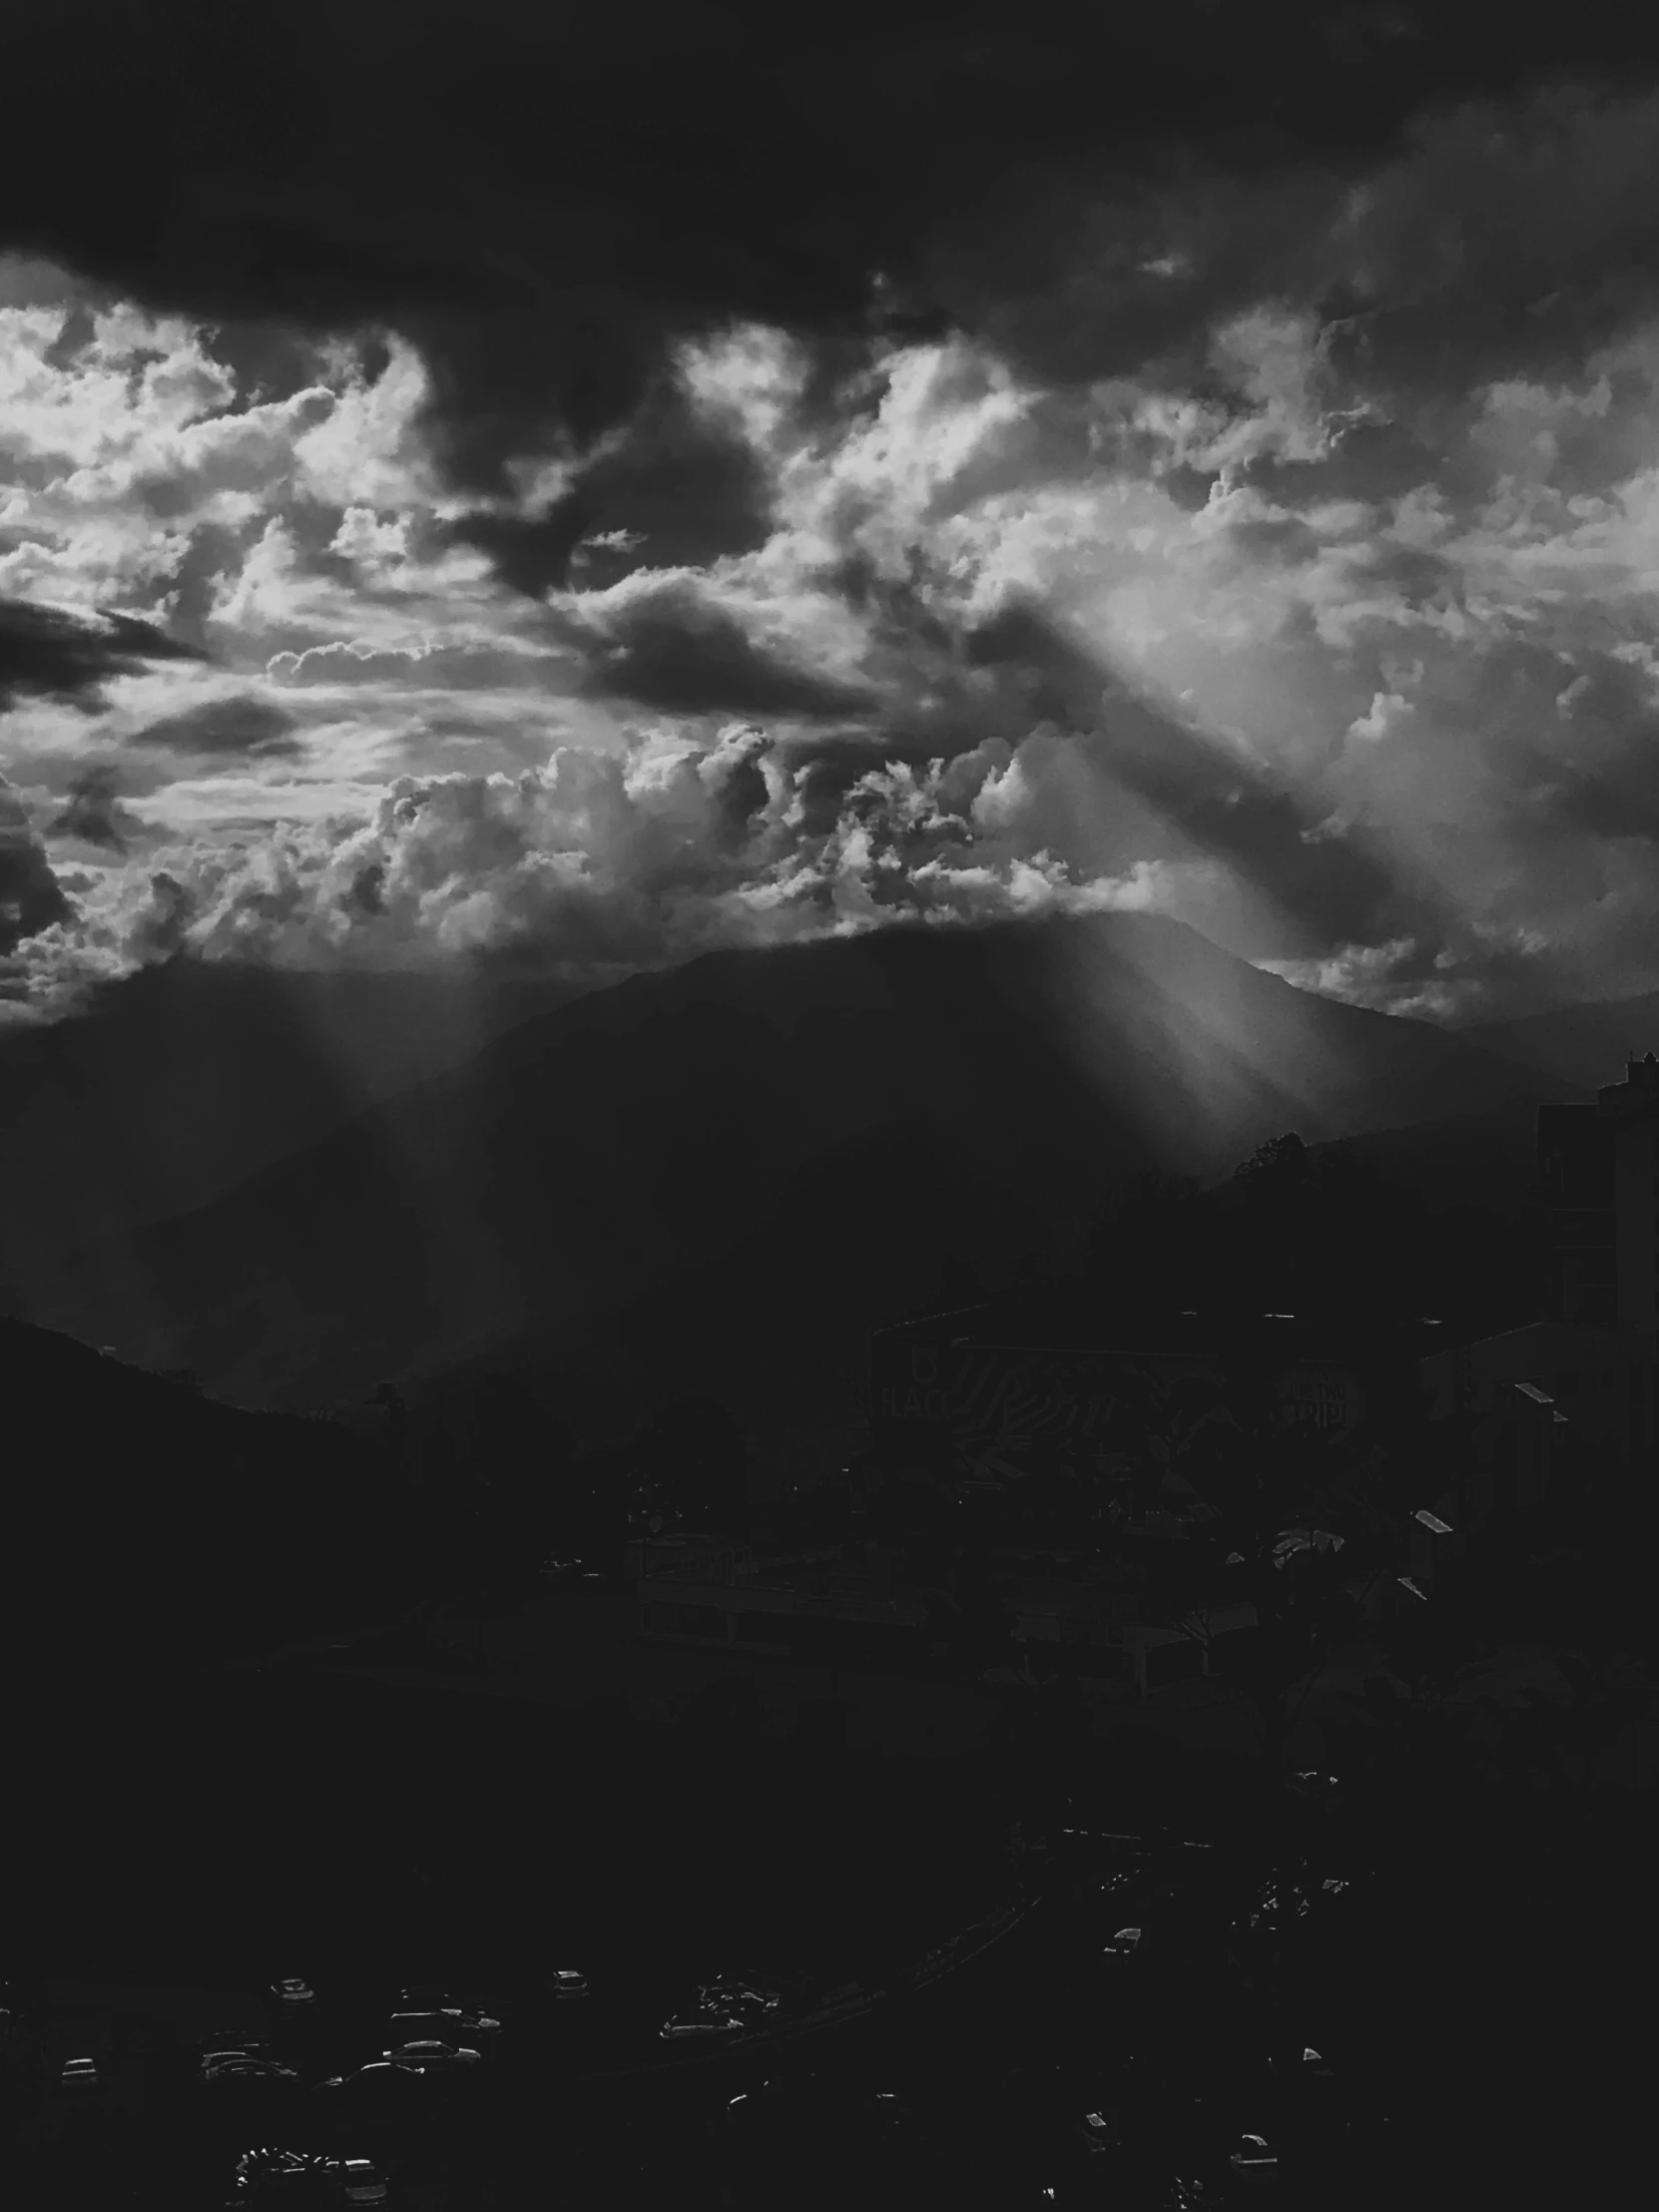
x=143, y=1522
x=756, y=1151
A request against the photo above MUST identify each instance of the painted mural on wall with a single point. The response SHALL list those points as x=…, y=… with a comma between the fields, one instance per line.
x=999, y=1413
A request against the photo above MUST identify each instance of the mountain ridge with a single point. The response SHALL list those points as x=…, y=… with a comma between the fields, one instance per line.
x=849, y=1108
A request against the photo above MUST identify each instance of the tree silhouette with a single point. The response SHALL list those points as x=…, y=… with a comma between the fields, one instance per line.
x=692, y=1467
x=1278, y=1540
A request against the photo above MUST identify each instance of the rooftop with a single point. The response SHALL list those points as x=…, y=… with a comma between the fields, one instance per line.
x=1062, y=1320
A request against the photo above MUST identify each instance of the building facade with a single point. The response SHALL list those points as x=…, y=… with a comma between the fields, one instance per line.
x=964, y=1399
x=1598, y=1187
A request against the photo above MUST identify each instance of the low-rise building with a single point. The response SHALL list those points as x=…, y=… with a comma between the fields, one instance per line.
x=839, y=1608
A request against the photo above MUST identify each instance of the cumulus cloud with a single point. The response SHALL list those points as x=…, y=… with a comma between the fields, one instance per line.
x=31, y=898
x=591, y=868
x=668, y=638
x=1079, y=495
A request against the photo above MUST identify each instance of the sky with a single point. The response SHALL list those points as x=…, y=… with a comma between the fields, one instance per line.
x=581, y=495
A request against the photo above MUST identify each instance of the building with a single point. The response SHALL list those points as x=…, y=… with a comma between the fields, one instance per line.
x=839, y=1609
x=1596, y=1384
x=1566, y=1402
x=1598, y=1189
x=1002, y=1396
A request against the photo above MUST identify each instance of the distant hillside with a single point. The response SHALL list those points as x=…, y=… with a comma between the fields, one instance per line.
x=1486, y=1159
x=829, y=1119
x=1584, y=1045
x=177, y=1082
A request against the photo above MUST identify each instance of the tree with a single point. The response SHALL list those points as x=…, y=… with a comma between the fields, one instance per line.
x=523, y=1452
x=1277, y=1541
x=691, y=1466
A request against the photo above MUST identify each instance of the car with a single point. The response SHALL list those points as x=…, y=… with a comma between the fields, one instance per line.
x=1311, y=1784
x=280, y=2176
x=233, y=2042
x=432, y=2056
x=248, y=2069
x=423, y=1996
x=292, y=1994
x=361, y=2181
x=1253, y=2159
x=699, y=2023
x=375, y=2075
x=1103, y=2130
x=446, y=2022
x=1124, y=1944
x=728, y=1992
x=78, y=2073
x=565, y=1982
x=234, y=2055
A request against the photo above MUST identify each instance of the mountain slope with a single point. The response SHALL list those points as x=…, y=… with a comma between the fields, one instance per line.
x=842, y=1113
x=178, y=1082
x=1585, y=1045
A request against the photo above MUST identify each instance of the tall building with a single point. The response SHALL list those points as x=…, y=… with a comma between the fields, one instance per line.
x=1598, y=1183
x=1581, y=1380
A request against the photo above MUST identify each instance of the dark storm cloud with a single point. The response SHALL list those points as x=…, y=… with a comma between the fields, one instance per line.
x=224, y=728
x=92, y=812
x=674, y=648
x=1591, y=769
x=538, y=199
x=677, y=494
x=59, y=654
x=31, y=898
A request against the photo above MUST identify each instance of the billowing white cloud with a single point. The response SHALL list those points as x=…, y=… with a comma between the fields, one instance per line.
x=1260, y=618
x=596, y=865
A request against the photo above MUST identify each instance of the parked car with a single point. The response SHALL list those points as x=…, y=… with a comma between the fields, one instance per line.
x=728, y=1992
x=231, y=2054
x=236, y=2069
x=233, y=2042
x=280, y=2177
x=362, y=2182
x=377, y=2074
x=700, y=2023
x=1311, y=1784
x=1253, y=2159
x=450, y=2022
x=433, y=2057
x=306, y=2179
x=565, y=1982
x=423, y=1996
x=291, y=1996
x=78, y=2073
x=1124, y=1944
x=1103, y=2130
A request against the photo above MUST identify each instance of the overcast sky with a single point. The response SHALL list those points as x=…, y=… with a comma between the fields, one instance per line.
x=604, y=493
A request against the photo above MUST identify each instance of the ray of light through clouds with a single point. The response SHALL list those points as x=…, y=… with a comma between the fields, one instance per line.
x=1275, y=552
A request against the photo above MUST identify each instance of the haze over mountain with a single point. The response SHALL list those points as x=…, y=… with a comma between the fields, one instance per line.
x=837, y=1116
x=1586, y=1046
x=176, y=1082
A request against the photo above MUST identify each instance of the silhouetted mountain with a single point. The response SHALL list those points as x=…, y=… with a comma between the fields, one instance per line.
x=830, y=1120
x=143, y=1519
x=1585, y=1045
x=1487, y=1159
x=177, y=1082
